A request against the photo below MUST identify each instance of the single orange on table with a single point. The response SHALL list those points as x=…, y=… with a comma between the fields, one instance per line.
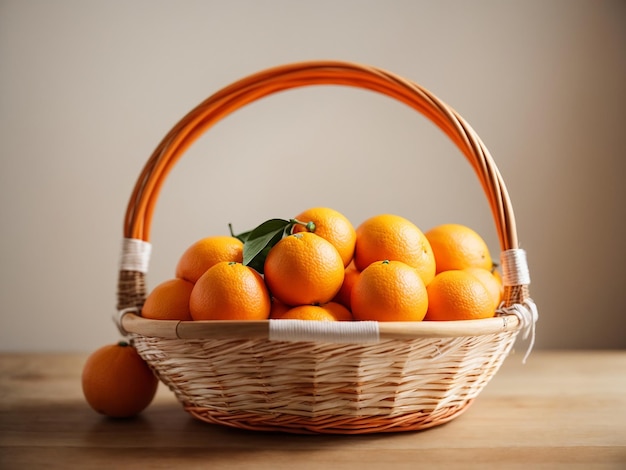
x=332, y=226
x=168, y=301
x=230, y=291
x=331, y=311
x=303, y=269
x=458, y=247
x=458, y=295
x=207, y=252
x=394, y=238
x=117, y=382
x=389, y=291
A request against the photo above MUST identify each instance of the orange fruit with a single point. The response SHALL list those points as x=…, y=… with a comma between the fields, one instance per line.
x=204, y=253
x=458, y=247
x=350, y=276
x=330, y=311
x=117, y=382
x=389, y=291
x=340, y=312
x=278, y=308
x=490, y=281
x=394, y=238
x=168, y=301
x=303, y=269
x=332, y=226
x=458, y=295
x=498, y=276
x=230, y=291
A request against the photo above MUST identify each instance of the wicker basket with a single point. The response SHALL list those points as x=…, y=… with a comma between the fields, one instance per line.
x=322, y=377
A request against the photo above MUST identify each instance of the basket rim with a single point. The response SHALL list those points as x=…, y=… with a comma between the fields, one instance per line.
x=133, y=323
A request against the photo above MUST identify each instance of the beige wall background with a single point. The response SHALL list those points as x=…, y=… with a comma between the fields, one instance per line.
x=89, y=88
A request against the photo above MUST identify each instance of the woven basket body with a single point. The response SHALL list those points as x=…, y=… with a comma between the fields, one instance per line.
x=402, y=377
x=394, y=385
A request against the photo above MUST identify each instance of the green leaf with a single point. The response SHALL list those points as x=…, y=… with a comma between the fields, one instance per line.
x=258, y=262
x=259, y=241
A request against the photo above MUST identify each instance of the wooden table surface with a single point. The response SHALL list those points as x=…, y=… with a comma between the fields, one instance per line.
x=560, y=410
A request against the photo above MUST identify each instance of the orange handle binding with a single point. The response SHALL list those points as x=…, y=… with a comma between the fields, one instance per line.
x=229, y=99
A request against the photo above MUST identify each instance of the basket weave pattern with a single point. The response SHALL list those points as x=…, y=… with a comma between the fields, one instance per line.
x=352, y=388
x=414, y=377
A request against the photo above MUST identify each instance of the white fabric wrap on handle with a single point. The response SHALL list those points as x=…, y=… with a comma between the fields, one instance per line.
x=514, y=268
x=515, y=273
x=135, y=255
x=360, y=332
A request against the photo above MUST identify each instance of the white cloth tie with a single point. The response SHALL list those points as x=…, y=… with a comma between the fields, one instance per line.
x=359, y=332
x=515, y=273
x=527, y=314
x=514, y=268
x=135, y=255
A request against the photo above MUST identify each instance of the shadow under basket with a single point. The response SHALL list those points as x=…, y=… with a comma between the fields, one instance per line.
x=322, y=377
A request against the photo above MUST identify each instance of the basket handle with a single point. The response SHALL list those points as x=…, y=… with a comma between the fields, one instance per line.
x=137, y=222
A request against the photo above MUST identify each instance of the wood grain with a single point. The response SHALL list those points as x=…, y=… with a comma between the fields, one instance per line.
x=560, y=410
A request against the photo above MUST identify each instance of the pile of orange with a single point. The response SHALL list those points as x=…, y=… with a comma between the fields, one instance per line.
x=316, y=267
x=323, y=268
